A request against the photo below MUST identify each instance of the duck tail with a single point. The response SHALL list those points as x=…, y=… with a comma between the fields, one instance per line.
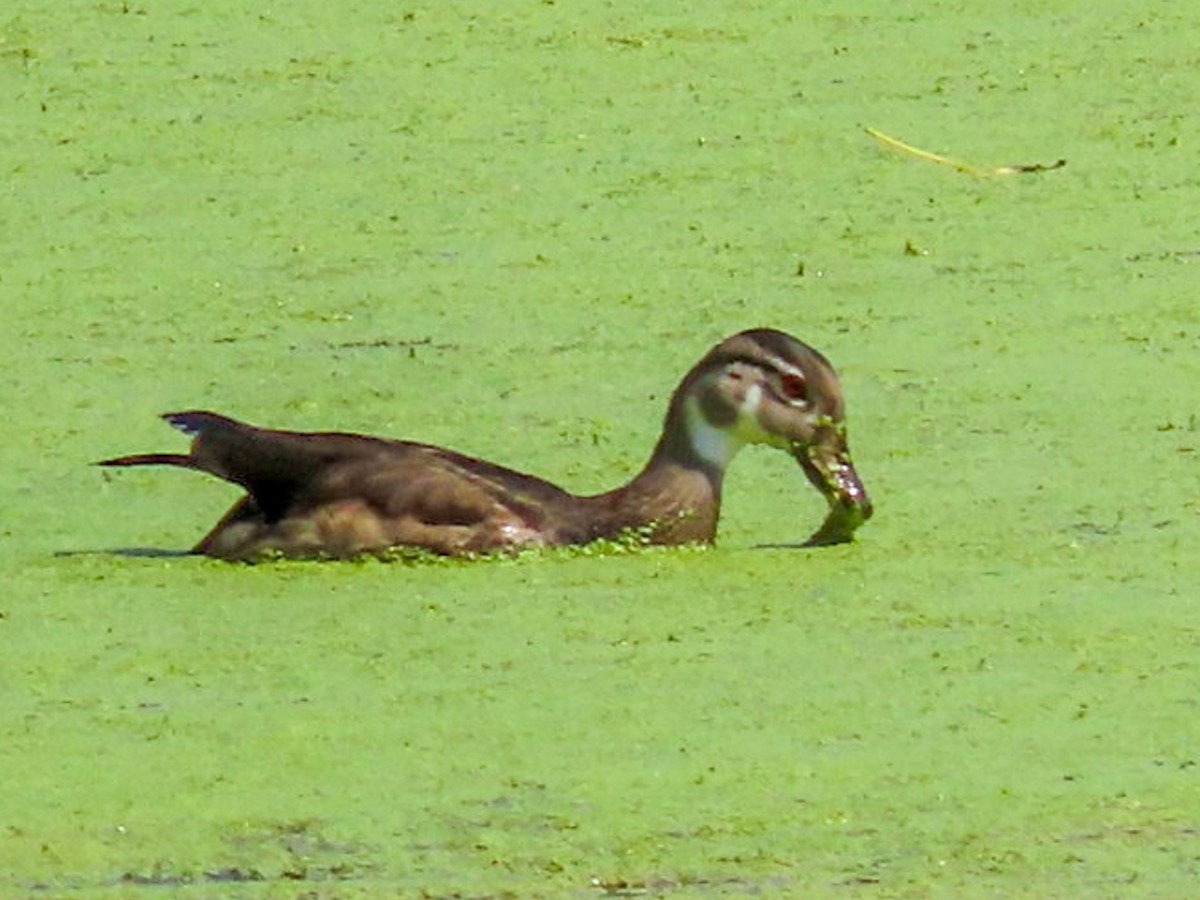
x=194, y=424
x=198, y=422
x=151, y=459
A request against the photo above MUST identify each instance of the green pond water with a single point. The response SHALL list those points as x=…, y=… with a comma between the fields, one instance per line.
x=509, y=228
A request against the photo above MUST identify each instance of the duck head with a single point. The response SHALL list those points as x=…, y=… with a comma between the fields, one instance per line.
x=765, y=387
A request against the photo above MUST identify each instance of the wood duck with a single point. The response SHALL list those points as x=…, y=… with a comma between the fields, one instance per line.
x=341, y=495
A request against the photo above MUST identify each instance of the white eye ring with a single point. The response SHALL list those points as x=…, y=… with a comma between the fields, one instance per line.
x=793, y=387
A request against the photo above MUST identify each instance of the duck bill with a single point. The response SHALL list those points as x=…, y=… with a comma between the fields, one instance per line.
x=828, y=466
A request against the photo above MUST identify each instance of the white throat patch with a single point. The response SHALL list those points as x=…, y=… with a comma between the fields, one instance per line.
x=717, y=446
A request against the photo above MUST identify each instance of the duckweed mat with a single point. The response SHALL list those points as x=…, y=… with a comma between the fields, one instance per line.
x=510, y=228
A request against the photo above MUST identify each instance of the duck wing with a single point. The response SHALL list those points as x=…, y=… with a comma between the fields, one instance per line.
x=340, y=494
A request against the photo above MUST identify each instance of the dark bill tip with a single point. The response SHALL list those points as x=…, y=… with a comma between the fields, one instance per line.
x=840, y=523
x=849, y=506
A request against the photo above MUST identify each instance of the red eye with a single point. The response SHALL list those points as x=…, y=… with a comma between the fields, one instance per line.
x=793, y=386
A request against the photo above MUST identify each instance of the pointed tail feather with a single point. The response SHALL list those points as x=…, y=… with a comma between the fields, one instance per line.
x=150, y=459
x=271, y=465
x=195, y=424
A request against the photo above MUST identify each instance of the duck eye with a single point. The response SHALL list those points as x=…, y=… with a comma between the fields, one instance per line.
x=793, y=386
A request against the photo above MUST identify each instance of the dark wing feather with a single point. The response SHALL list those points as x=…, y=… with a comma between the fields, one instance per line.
x=349, y=485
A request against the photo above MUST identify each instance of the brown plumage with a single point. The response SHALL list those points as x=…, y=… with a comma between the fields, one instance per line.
x=339, y=495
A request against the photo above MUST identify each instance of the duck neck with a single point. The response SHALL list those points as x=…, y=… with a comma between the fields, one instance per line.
x=676, y=498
